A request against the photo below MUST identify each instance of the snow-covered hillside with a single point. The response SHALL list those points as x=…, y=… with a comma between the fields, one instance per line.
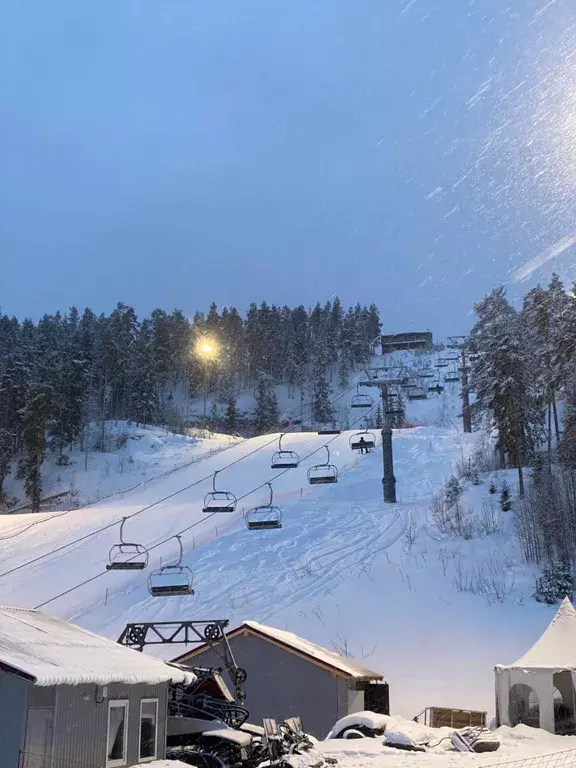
x=347, y=571
x=132, y=456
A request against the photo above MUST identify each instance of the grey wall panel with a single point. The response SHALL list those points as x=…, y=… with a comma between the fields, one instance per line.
x=13, y=707
x=81, y=721
x=281, y=684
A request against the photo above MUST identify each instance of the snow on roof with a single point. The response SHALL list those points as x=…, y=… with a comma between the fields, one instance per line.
x=55, y=652
x=556, y=648
x=330, y=658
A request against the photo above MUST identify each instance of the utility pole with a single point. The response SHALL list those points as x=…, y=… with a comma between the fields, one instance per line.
x=459, y=343
x=388, y=479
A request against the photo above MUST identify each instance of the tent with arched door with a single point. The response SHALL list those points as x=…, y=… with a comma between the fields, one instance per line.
x=538, y=689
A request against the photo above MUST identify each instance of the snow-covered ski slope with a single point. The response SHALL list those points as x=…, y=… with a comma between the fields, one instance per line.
x=345, y=571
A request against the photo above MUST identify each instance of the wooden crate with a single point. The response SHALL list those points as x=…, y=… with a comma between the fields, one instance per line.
x=440, y=717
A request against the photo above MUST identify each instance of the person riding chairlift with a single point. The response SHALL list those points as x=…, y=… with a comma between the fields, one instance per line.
x=363, y=445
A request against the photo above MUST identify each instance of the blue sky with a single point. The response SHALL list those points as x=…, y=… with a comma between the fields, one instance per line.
x=177, y=152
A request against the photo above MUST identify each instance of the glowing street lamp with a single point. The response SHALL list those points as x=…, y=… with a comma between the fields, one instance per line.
x=207, y=350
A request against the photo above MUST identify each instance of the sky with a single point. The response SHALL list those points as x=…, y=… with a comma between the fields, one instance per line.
x=171, y=153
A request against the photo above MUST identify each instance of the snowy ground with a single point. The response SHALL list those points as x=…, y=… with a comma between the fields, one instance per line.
x=520, y=743
x=132, y=456
x=516, y=744
x=346, y=571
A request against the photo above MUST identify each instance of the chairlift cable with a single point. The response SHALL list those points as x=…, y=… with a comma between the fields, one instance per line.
x=21, y=531
x=193, y=525
x=144, y=509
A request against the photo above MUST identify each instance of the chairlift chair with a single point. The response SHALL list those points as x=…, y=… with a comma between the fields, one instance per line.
x=219, y=501
x=329, y=428
x=172, y=580
x=284, y=459
x=369, y=440
x=321, y=474
x=361, y=401
x=265, y=517
x=438, y=388
x=408, y=384
x=427, y=374
x=456, y=342
x=418, y=393
x=441, y=363
x=127, y=556
x=452, y=377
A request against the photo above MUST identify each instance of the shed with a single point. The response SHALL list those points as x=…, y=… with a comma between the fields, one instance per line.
x=289, y=676
x=69, y=697
x=538, y=689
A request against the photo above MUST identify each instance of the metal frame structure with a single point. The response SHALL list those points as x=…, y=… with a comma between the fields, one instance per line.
x=219, y=501
x=361, y=401
x=210, y=631
x=461, y=344
x=328, y=473
x=137, y=554
x=397, y=376
x=272, y=515
x=284, y=459
x=183, y=572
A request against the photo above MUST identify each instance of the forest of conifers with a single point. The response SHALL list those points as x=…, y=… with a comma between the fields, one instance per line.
x=71, y=369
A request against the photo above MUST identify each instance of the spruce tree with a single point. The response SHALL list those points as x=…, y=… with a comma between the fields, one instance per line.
x=321, y=406
x=266, y=416
x=501, y=379
x=34, y=419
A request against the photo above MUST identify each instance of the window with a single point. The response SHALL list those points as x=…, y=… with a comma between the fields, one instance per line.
x=117, y=753
x=148, y=728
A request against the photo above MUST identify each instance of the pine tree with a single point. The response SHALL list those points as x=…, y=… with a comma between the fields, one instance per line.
x=501, y=380
x=321, y=406
x=379, y=421
x=266, y=415
x=344, y=374
x=143, y=385
x=231, y=414
x=34, y=419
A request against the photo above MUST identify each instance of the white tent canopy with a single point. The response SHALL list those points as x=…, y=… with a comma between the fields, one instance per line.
x=526, y=691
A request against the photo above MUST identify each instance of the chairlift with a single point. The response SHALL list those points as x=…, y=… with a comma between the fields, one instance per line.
x=418, y=393
x=369, y=440
x=329, y=428
x=265, y=517
x=451, y=378
x=408, y=384
x=172, y=580
x=456, y=342
x=438, y=388
x=219, y=501
x=426, y=374
x=361, y=401
x=441, y=363
x=284, y=459
x=323, y=473
x=127, y=556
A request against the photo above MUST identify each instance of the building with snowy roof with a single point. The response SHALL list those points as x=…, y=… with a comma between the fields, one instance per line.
x=288, y=676
x=69, y=697
x=539, y=689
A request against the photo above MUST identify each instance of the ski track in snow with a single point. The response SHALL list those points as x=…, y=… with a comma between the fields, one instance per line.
x=325, y=538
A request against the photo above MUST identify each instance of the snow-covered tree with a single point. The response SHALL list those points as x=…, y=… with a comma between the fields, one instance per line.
x=322, y=409
x=501, y=379
x=266, y=417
